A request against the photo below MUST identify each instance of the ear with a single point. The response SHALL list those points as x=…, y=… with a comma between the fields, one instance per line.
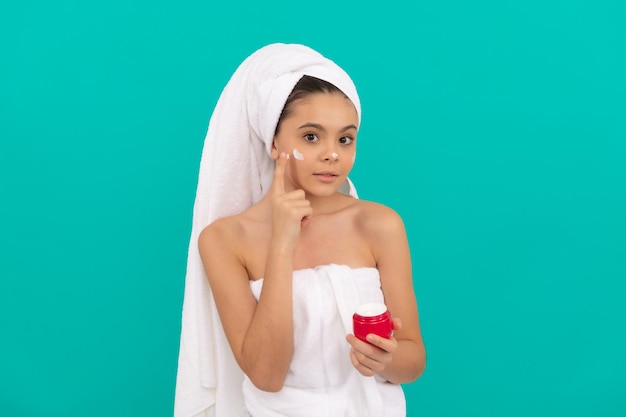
x=275, y=154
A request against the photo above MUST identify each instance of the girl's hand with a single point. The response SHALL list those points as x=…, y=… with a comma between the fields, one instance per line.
x=290, y=211
x=372, y=358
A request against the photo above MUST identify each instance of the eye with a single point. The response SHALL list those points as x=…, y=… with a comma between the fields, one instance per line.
x=346, y=140
x=311, y=137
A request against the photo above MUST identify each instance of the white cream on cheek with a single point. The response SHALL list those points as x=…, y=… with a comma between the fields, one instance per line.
x=298, y=155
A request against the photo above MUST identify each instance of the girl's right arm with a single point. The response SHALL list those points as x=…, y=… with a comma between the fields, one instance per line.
x=260, y=334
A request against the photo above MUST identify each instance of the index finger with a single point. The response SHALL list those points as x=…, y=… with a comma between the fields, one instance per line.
x=388, y=345
x=278, y=183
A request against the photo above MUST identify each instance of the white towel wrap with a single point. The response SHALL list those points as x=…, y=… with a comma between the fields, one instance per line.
x=321, y=381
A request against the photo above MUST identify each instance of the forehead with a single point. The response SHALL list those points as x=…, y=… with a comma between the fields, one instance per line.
x=328, y=107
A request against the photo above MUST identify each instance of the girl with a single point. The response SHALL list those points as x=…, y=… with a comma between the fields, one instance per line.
x=287, y=273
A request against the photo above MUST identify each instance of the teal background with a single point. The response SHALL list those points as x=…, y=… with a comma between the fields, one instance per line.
x=497, y=129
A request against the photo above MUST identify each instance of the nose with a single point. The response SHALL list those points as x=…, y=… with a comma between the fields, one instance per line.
x=330, y=153
x=332, y=157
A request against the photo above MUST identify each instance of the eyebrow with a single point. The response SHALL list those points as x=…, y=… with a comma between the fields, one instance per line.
x=320, y=127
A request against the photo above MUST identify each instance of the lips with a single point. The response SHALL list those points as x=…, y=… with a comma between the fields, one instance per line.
x=326, y=176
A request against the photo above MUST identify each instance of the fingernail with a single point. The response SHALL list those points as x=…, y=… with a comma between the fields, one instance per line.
x=370, y=338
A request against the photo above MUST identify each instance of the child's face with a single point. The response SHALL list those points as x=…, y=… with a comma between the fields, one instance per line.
x=319, y=135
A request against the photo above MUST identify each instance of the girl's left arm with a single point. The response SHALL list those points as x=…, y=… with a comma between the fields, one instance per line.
x=402, y=358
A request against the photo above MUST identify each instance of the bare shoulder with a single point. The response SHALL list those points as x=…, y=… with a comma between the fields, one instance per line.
x=219, y=241
x=378, y=219
x=221, y=230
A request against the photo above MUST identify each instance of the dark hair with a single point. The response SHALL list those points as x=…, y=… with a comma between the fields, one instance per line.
x=306, y=86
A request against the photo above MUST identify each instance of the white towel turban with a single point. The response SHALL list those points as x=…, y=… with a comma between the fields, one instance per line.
x=235, y=172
